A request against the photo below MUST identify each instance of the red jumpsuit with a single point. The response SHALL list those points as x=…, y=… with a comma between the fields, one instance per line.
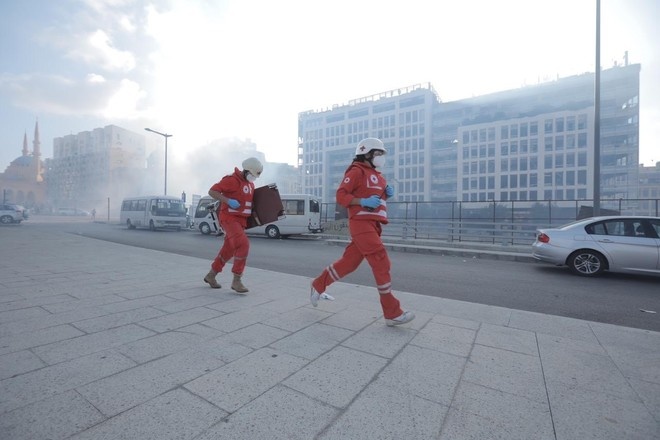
x=234, y=221
x=361, y=181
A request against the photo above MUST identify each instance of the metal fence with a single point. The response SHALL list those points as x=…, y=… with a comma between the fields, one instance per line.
x=497, y=222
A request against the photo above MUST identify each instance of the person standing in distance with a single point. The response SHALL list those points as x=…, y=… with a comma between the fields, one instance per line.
x=364, y=192
x=235, y=192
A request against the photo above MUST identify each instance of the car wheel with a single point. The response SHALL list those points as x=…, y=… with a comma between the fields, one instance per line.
x=6, y=219
x=152, y=227
x=587, y=263
x=129, y=225
x=272, y=232
x=204, y=228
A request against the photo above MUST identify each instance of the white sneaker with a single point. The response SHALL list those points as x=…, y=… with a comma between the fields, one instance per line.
x=328, y=297
x=314, y=297
x=404, y=318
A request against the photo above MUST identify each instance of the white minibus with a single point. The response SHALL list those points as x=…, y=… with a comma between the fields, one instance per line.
x=206, y=217
x=302, y=215
x=153, y=212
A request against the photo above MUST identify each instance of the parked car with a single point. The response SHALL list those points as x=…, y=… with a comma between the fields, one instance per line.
x=73, y=211
x=629, y=244
x=11, y=213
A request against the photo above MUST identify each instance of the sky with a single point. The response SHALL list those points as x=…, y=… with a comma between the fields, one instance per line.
x=204, y=70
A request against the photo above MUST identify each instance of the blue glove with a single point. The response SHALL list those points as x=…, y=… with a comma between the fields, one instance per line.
x=372, y=202
x=233, y=203
x=389, y=190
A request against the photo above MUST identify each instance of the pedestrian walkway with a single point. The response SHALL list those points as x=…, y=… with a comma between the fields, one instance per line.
x=105, y=341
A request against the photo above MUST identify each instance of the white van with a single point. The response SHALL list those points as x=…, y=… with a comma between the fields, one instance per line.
x=153, y=212
x=302, y=215
x=206, y=217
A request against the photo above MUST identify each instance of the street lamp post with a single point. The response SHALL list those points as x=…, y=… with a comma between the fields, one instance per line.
x=165, y=136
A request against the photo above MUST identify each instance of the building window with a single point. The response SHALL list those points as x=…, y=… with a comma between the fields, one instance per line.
x=547, y=126
x=547, y=146
x=570, y=126
x=582, y=159
x=547, y=179
x=582, y=177
x=533, y=128
x=504, y=132
x=582, y=122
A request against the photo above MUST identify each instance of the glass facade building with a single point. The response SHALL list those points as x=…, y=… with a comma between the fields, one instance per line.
x=532, y=143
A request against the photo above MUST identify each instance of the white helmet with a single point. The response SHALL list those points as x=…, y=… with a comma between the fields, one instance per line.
x=368, y=144
x=253, y=165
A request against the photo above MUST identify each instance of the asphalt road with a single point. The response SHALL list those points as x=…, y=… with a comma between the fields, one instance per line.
x=613, y=298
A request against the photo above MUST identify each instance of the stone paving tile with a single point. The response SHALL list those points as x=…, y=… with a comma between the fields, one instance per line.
x=44, y=322
x=239, y=382
x=589, y=371
x=55, y=418
x=380, y=340
x=383, y=412
x=409, y=373
x=352, y=319
x=74, y=304
x=115, y=394
x=18, y=342
x=552, y=325
x=446, y=338
x=93, y=343
x=176, y=414
x=233, y=321
x=584, y=414
x=506, y=338
x=313, y=341
x=46, y=382
x=44, y=302
x=256, y=335
x=297, y=319
x=19, y=362
x=20, y=314
x=278, y=414
x=507, y=371
x=162, y=344
x=319, y=380
x=180, y=319
x=479, y=412
x=119, y=319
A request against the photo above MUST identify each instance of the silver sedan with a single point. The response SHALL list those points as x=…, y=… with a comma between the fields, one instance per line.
x=629, y=244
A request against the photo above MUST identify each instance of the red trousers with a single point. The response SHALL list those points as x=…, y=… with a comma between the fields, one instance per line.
x=236, y=245
x=365, y=244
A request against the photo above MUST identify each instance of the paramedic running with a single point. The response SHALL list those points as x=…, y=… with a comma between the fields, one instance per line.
x=235, y=192
x=364, y=191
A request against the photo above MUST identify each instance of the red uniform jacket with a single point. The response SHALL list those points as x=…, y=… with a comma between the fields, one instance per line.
x=235, y=186
x=361, y=181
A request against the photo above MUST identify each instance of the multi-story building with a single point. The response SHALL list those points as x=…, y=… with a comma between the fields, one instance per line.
x=544, y=157
x=552, y=105
x=400, y=118
x=483, y=148
x=91, y=167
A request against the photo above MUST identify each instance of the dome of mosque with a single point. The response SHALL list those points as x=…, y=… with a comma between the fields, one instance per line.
x=23, y=161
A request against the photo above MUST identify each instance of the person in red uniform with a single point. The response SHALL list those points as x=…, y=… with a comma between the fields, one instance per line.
x=235, y=192
x=364, y=192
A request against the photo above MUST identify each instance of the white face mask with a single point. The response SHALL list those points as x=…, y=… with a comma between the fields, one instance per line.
x=250, y=177
x=378, y=161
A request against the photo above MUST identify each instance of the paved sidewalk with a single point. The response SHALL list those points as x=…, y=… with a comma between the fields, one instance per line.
x=106, y=341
